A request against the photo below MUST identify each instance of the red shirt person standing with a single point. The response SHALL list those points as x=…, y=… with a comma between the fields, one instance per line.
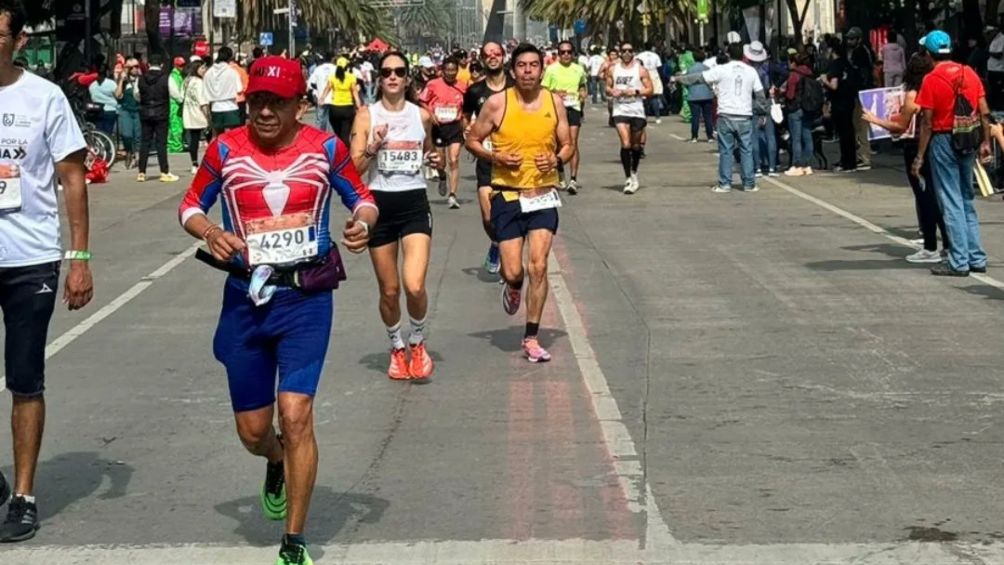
x=952, y=166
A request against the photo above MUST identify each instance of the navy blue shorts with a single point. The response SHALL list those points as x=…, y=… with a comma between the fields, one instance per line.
x=510, y=222
x=286, y=338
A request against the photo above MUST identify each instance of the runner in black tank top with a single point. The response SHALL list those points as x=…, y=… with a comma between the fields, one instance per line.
x=496, y=80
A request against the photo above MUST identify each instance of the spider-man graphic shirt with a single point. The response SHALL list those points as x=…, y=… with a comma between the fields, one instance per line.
x=278, y=202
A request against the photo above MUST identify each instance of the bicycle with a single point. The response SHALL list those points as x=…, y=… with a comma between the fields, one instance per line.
x=99, y=144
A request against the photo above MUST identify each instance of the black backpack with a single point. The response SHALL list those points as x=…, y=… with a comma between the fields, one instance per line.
x=809, y=95
x=967, y=128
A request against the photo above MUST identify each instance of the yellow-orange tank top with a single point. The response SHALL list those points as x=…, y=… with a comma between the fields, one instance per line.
x=525, y=133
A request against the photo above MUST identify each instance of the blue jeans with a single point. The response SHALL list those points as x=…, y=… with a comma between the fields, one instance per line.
x=321, y=117
x=733, y=131
x=953, y=184
x=597, y=89
x=765, y=145
x=800, y=128
x=701, y=109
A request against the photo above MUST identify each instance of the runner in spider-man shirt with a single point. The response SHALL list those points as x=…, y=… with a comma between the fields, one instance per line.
x=276, y=177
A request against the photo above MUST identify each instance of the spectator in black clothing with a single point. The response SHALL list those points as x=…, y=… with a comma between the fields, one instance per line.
x=154, y=113
x=843, y=96
x=861, y=77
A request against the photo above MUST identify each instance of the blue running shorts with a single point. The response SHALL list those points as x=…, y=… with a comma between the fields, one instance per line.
x=286, y=338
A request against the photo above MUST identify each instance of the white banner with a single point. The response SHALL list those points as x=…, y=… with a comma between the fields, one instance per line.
x=225, y=8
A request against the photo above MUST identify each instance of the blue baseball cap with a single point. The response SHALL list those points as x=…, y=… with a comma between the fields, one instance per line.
x=937, y=42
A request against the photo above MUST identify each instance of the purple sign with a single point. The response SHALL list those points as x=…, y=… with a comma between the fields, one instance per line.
x=187, y=21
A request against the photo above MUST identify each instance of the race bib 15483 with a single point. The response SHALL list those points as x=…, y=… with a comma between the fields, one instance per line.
x=400, y=157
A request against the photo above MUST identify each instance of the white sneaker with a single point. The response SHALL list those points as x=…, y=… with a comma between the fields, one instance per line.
x=924, y=256
x=794, y=172
x=721, y=189
x=807, y=171
x=772, y=173
x=628, y=186
x=195, y=169
x=452, y=203
x=634, y=182
x=753, y=188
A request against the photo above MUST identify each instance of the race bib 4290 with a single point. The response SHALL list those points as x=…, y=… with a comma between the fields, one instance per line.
x=281, y=240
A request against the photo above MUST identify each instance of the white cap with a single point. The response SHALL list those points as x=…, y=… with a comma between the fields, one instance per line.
x=426, y=62
x=733, y=37
x=194, y=58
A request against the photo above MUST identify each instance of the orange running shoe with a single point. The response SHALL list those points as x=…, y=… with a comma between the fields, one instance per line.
x=421, y=362
x=398, y=370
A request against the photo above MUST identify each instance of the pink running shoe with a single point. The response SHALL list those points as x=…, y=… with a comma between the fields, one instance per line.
x=511, y=298
x=534, y=352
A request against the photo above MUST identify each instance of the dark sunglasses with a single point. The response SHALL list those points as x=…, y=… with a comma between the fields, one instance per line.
x=401, y=72
x=565, y=52
x=627, y=50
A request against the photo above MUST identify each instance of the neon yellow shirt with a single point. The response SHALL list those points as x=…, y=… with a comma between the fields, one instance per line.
x=341, y=90
x=569, y=79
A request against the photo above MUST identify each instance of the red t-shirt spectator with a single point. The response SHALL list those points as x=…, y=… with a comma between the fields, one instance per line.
x=937, y=93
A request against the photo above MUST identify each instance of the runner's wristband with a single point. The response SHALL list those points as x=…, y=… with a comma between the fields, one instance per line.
x=78, y=255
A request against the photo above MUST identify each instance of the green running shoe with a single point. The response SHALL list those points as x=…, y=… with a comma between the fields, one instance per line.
x=273, y=492
x=293, y=554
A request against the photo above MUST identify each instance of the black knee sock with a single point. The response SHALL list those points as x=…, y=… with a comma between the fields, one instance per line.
x=635, y=159
x=531, y=329
x=626, y=161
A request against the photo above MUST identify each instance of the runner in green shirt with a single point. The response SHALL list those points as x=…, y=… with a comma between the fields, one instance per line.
x=567, y=79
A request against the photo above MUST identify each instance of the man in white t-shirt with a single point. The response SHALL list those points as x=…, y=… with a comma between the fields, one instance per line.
x=741, y=99
x=597, y=87
x=39, y=141
x=315, y=84
x=652, y=61
x=223, y=84
x=995, y=72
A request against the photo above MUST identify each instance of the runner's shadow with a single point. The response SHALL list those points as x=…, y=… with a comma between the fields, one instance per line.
x=330, y=513
x=890, y=249
x=511, y=339
x=69, y=477
x=481, y=274
x=988, y=292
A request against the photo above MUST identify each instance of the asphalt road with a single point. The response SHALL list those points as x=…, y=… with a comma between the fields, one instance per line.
x=737, y=378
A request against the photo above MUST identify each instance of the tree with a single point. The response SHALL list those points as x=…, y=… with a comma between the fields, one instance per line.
x=603, y=14
x=351, y=16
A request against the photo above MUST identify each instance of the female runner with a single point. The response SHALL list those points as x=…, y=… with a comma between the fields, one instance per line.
x=390, y=141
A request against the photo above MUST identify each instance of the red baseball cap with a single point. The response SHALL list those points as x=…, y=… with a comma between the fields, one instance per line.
x=179, y=61
x=278, y=75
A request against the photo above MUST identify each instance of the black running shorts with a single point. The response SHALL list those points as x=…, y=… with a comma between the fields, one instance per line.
x=27, y=297
x=401, y=213
x=574, y=117
x=637, y=124
x=448, y=134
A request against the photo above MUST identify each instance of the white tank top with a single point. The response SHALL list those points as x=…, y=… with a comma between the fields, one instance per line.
x=398, y=165
x=628, y=79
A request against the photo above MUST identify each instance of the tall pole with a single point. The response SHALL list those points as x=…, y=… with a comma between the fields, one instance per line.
x=292, y=24
x=87, y=32
x=212, y=26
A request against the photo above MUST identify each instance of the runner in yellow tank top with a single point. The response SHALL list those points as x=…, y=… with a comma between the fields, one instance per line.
x=529, y=132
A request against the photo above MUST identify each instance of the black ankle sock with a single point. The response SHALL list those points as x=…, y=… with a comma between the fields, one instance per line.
x=517, y=286
x=532, y=329
x=635, y=159
x=626, y=161
x=297, y=539
x=573, y=177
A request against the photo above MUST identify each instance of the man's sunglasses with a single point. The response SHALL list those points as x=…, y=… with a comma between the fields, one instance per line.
x=565, y=52
x=627, y=50
x=401, y=72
